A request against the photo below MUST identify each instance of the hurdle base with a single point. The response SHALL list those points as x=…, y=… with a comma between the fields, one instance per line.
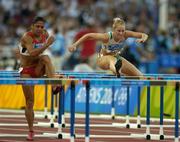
x=161, y=137
x=52, y=125
x=138, y=125
x=113, y=117
x=55, y=117
x=74, y=136
x=123, y=125
x=46, y=117
x=127, y=126
x=58, y=135
x=63, y=125
x=148, y=137
x=47, y=124
x=152, y=136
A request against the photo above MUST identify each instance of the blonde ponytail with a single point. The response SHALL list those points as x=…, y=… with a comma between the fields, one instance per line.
x=118, y=22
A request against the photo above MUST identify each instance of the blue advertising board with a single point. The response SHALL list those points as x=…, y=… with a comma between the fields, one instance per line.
x=101, y=98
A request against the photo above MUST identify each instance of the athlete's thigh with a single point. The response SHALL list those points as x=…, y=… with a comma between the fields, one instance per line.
x=45, y=59
x=40, y=69
x=129, y=69
x=28, y=90
x=104, y=62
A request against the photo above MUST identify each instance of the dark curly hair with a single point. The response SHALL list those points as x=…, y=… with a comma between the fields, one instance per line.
x=38, y=18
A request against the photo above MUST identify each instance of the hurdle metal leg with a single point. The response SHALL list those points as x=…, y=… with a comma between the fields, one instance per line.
x=52, y=110
x=138, y=107
x=161, y=112
x=148, y=136
x=63, y=106
x=112, y=104
x=127, y=111
x=87, y=112
x=176, y=134
x=56, y=106
x=60, y=111
x=45, y=102
x=72, y=130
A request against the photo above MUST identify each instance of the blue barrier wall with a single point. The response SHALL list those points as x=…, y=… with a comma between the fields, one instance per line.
x=169, y=60
x=163, y=60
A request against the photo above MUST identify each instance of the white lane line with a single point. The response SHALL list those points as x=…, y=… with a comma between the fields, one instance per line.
x=76, y=129
x=94, y=130
x=21, y=130
x=116, y=125
x=153, y=136
x=100, y=116
x=22, y=115
x=12, y=119
x=11, y=140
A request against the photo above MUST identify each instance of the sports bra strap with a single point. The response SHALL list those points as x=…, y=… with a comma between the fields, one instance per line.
x=110, y=35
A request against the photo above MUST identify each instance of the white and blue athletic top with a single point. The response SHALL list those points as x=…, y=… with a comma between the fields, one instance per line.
x=23, y=51
x=112, y=46
x=37, y=43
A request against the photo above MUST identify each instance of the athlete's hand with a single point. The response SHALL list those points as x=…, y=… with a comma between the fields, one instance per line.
x=143, y=39
x=72, y=48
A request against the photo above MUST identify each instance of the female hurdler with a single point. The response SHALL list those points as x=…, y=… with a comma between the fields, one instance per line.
x=112, y=44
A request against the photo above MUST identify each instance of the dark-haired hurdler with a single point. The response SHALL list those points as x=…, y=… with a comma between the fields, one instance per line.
x=35, y=63
x=113, y=43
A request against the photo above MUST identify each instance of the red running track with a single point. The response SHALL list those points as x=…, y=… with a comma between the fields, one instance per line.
x=101, y=132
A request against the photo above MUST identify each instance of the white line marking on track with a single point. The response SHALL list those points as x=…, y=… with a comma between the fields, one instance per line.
x=100, y=116
x=10, y=140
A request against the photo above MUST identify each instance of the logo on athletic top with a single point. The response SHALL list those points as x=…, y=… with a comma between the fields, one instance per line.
x=38, y=45
x=114, y=47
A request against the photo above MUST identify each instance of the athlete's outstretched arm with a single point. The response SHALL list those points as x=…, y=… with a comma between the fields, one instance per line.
x=141, y=37
x=90, y=36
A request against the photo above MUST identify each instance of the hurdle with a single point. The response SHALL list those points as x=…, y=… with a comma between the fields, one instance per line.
x=15, y=74
x=78, y=75
x=155, y=83
x=138, y=119
x=27, y=81
x=126, y=83
x=67, y=74
x=127, y=125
